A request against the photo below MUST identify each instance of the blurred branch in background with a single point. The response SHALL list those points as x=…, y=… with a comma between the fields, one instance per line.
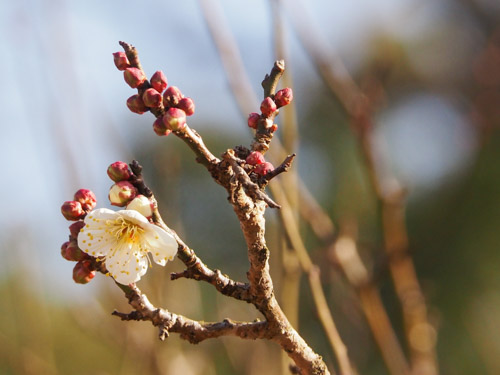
x=420, y=334
x=447, y=51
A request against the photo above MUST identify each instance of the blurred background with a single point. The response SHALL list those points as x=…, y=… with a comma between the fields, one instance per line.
x=432, y=65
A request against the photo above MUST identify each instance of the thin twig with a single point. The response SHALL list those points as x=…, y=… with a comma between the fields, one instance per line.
x=283, y=167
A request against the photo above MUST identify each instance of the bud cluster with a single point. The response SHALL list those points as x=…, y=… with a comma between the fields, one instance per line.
x=76, y=210
x=83, y=202
x=269, y=109
x=124, y=194
x=155, y=95
x=259, y=163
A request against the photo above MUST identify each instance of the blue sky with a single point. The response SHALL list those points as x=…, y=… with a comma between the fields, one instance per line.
x=62, y=103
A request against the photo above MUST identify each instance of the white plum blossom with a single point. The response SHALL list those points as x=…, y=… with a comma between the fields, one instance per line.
x=125, y=238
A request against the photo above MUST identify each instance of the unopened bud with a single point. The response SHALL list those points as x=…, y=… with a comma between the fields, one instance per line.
x=172, y=96
x=86, y=198
x=121, y=193
x=264, y=168
x=253, y=120
x=187, y=105
x=255, y=158
x=142, y=205
x=160, y=128
x=72, y=210
x=119, y=171
x=283, y=97
x=121, y=60
x=151, y=98
x=273, y=128
x=175, y=119
x=70, y=251
x=134, y=77
x=82, y=273
x=74, y=229
x=136, y=105
x=159, y=81
x=268, y=107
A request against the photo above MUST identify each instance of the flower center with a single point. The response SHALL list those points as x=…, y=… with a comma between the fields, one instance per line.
x=125, y=231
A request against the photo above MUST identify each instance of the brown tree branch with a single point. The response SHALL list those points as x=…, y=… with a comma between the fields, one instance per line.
x=249, y=202
x=188, y=329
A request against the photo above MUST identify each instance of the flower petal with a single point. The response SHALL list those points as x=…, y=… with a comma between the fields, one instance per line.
x=134, y=217
x=162, y=245
x=127, y=265
x=93, y=238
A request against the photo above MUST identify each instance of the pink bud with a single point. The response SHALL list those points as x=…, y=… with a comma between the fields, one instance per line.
x=172, y=96
x=136, y=105
x=264, y=168
x=283, y=97
x=70, y=251
x=268, y=107
x=151, y=98
x=175, y=119
x=159, y=81
x=253, y=120
x=121, y=60
x=74, y=229
x=82, y=273
x=160, y=128
x=134, y=77
x=86, y=198
x=121, y=193
x=187, y=105
x=142, y=205
x=255, y=158
x=72, y=210
x=119, y=171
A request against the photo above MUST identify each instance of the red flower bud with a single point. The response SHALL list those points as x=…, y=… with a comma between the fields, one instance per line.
x=264, y=168
x=175, y=119
x=82, y=273
x=187, y=105
x=121, y=193
x=72, y=210
x=151, y=98
x=255, y=158
x=136, y=105
x=159, y=81
x=64, y=246
x=121, y=60
x=268, y=107
x=134, y=77
x=119, y=171
x=86, y=198
x=74, y=229
x=160, y=128
x=70, y=251
x=283, y=97
x=253, y=120
x=172, y=96
x=274, y=127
